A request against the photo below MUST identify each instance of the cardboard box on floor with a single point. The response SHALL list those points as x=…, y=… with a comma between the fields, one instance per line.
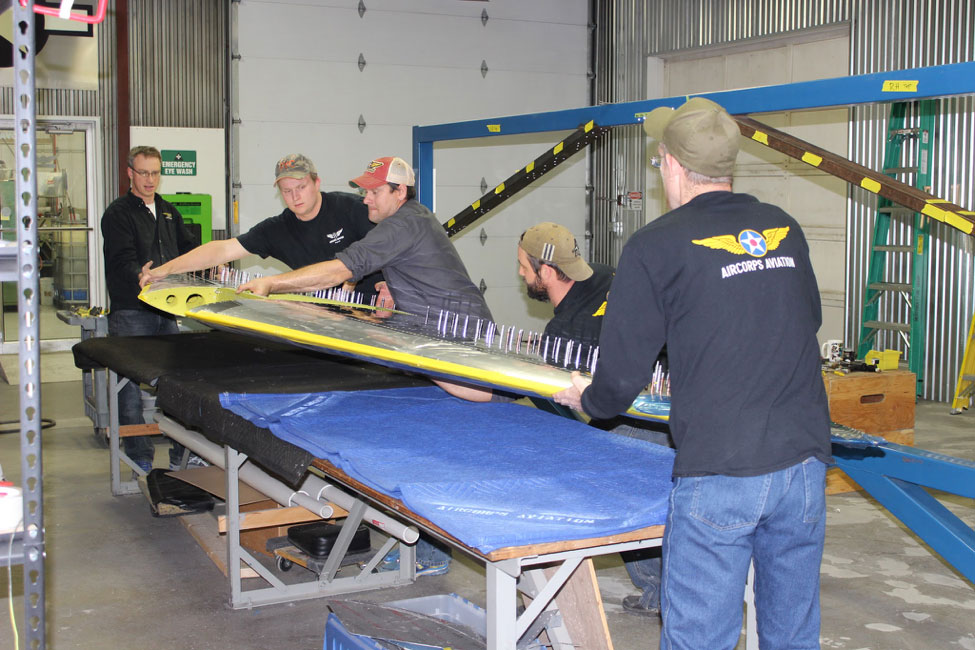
x=264, y=519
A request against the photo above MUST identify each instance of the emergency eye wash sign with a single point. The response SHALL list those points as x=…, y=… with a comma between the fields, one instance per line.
x=178, y=163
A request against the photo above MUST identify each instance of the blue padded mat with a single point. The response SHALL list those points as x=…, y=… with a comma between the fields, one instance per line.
x=492, y=475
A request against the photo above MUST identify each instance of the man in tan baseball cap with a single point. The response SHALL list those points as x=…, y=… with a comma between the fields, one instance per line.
x=726, y=282
x=554, y=271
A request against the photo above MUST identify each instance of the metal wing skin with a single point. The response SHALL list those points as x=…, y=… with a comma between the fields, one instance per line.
x=401, y=341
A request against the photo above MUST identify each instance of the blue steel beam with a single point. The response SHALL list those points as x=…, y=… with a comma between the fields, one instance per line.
x=940, y=529
x=927, y=468
x=896, y=476
x=879, y=87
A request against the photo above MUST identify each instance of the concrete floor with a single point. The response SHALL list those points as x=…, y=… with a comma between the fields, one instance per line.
x=117, y=577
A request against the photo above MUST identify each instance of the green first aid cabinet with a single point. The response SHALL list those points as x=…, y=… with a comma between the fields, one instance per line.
x=197, y=213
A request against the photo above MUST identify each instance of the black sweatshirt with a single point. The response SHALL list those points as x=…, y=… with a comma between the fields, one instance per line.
x=726, y=283
x=132, y=237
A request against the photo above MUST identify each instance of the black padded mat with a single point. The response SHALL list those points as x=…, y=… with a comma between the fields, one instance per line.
x=146, y=358
x=191, y=370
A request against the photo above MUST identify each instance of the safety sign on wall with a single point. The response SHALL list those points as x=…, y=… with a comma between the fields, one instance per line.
x=178, y=163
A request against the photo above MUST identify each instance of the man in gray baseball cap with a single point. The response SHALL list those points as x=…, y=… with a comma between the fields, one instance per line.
x=726, y=283
x=314, y=227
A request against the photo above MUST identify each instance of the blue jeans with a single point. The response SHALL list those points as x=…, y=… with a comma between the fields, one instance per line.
x=716, y=526
x=139, y=322
x=644, y=566
x=644, y=569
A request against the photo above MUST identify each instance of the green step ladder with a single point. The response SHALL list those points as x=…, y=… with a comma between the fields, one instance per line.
x=898, y=268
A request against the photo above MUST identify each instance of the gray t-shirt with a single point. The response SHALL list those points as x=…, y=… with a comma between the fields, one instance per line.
x=421, y=266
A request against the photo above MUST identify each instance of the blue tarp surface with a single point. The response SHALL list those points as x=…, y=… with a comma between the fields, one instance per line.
x=492, y=475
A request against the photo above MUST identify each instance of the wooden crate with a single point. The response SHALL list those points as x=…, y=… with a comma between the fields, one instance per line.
x=878, y=403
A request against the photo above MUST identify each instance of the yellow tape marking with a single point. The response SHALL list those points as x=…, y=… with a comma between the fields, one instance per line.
x=934, y=213
x=529, y=167
x=558, y=148
x=450, y=224
x=758, y=136
x=589, y=125
x=937, y=200
x=955, y=221
x=967, y=212
x=920, y=245
x=494, y=128
x=870, y=185
x=899, y=86
x=812, y=159
x=499, y=189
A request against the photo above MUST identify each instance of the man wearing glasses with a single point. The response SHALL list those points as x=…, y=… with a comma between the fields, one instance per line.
x=138, y=227
x=313, y=227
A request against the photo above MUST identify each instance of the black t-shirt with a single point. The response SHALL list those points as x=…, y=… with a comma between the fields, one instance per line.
x=579, y=315
x=342, y=219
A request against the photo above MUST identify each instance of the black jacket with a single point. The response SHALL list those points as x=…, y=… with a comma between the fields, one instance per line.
x=132, y=237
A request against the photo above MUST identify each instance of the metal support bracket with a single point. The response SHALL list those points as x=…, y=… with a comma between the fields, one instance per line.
x=116, y=455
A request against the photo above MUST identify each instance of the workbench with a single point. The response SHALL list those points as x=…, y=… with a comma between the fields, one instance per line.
x=189, y=371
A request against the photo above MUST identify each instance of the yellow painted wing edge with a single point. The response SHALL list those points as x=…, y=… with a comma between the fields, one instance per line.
x=447, y=368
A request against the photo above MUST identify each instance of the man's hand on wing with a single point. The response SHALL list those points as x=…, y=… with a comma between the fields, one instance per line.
x=572, y=396
x=384, y=301
x=148, y=275
x=259, y=286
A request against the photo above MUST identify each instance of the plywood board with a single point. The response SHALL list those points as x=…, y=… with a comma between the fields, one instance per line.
x=203, y=528
x=213, y=480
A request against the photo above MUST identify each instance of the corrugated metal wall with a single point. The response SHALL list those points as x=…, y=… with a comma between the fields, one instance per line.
x=686, y=24
x=107, y=107
x=618, y=158
x=55, y=101
x=893, y=35
x=886, y=35
x=177, y=64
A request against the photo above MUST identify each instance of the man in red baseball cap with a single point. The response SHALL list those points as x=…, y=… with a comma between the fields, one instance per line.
x=422, y=270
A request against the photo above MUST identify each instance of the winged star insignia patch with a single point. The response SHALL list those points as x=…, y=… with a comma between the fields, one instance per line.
x=335, y=237
x=748, y=242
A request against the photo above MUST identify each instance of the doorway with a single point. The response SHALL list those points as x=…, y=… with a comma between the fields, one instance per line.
x=68, y=237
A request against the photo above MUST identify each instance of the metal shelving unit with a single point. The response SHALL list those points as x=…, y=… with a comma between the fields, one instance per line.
x=28, y=546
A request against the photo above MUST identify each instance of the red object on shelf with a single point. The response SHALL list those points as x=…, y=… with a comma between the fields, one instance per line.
x=82, y=18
